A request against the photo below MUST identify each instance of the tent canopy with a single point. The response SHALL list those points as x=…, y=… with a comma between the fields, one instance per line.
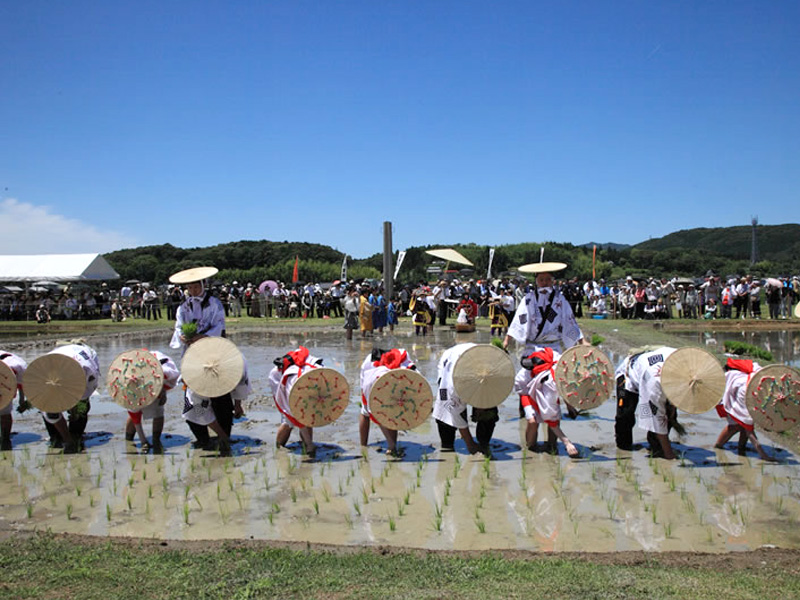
x=55, y=267
x=449, y=255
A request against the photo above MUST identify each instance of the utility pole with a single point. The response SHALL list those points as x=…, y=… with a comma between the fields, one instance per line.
x=388, y=272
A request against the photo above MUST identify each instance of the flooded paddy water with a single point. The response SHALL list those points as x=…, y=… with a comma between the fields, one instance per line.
x=609, y=500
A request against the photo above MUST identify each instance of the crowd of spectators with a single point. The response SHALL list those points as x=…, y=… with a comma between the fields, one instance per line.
x=711, y=297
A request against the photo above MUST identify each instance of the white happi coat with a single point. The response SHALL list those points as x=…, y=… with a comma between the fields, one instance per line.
x=198, y=409
x=448, y=407
x=733, y=399
x=560, y=330
x=543, y=391
x=210, y=318
x=643, y=377
x=18, y=366
x=370, y=374
x=281, y=383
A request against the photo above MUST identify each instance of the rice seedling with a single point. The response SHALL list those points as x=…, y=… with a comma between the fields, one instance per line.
x=69, y=511
x=271, y=518
x=372, y=485
x=186, y=510
x=487, y=465
x=144, y=474
x=29, y=509
x=114, y=486
x=392, y=523
x=316, y=505
x=326, y=494
x=241, y=477
x=407, y=498
x=341, y=487
x=267, y=483
x=78, y=490
x=165, y=498
x=230, y=483
x=293, y=493
x=208, y=473
x=108, y=512
x=129, y=501
x=357, y=507
x=186, y=489
x=401, y=509
x=668, y=529
x=349, y=520
x=303, y=484
x=91, y=501
x=481, y=525
x=457, y=467
x=364, y=495
x=611, y=507
x=654, y=512
x=197, y=501
x=147, y=507
x=164, y=484
x=437, y=510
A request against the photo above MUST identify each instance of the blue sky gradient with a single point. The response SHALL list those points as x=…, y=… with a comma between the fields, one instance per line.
x=197, y=123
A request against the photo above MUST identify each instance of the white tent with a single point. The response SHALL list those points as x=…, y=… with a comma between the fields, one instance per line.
x=55, y=267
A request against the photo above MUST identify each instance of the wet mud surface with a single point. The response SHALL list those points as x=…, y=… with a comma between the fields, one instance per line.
x=609, y=501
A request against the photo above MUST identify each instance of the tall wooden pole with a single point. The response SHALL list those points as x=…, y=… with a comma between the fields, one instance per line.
x=388, y=271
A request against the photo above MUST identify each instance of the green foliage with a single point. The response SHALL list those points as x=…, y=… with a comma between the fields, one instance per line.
x=597, y=339
x=740, y=348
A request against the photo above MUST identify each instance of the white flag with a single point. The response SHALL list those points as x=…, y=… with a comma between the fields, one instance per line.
x=491, y=258
x=344, y=270
x=400, y=256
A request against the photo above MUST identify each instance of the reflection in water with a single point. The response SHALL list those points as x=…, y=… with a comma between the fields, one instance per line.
x=784, y=345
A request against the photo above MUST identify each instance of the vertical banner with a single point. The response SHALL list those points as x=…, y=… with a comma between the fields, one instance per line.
x=343, y=276
x=295, y=274
x=400, y=256
x=594, y=256
x=491, y=258
x=541, y=254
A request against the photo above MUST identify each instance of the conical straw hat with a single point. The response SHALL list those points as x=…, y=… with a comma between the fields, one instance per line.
x=693, y=380
x=483, y=376
x=192, y=275
x=542, y=267
x=319, y=397
x=584, y=377
x=135, y=379
x=212, y=366
x=401, y=399
x=773, y=398
x=8, y=385
x=54, y=382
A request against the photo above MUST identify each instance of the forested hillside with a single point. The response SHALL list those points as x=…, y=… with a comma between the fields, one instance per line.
x=685, y=253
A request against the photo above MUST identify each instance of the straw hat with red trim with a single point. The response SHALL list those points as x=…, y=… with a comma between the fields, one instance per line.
x=135, y=379
x=319, y=397
x=693, y=380
x=773, y=398
x=212, y=366
x=483, y=376
x=193, y=275
x=8, y=385
x=584, y=377
x=54, y=382
x=401, y=399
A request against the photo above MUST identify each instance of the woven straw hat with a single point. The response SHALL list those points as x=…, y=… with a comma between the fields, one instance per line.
x=693, y=380
x=8, y=385
x=54, y=382
x=543, y=267
x=135, y=379
x=584, y=377
x=192, y=275
x=483, y=376
x=773, y=398
x=212, y=366
x=319, y=397
x=401, y=399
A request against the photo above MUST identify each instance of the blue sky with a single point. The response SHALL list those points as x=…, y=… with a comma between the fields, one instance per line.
x=197, y=123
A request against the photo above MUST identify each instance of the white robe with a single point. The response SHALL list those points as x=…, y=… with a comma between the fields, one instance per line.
x=210, y=319
x=17, y=366
x=542, y=389
x=560, y=330
x=448, y=407
x=281, y=383
x=733, y=398
x=644, y=378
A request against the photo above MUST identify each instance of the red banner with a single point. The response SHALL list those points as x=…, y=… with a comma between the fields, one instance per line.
x=295, y=276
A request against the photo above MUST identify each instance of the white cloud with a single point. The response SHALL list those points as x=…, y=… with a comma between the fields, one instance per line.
x=29, y=229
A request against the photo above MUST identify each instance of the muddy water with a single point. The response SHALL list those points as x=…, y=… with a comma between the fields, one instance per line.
x=711, y=500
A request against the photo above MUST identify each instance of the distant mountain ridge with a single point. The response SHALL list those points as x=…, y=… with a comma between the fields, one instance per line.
x=605, y=245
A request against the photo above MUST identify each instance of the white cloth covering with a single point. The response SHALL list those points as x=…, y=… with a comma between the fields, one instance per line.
x=560, y=330
x=370, y=374
x=198, y=409
x=448, y=407
x=542, y=389
x=643, y=377
x=733, y=398
x=281, y=383
x=171, y=376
